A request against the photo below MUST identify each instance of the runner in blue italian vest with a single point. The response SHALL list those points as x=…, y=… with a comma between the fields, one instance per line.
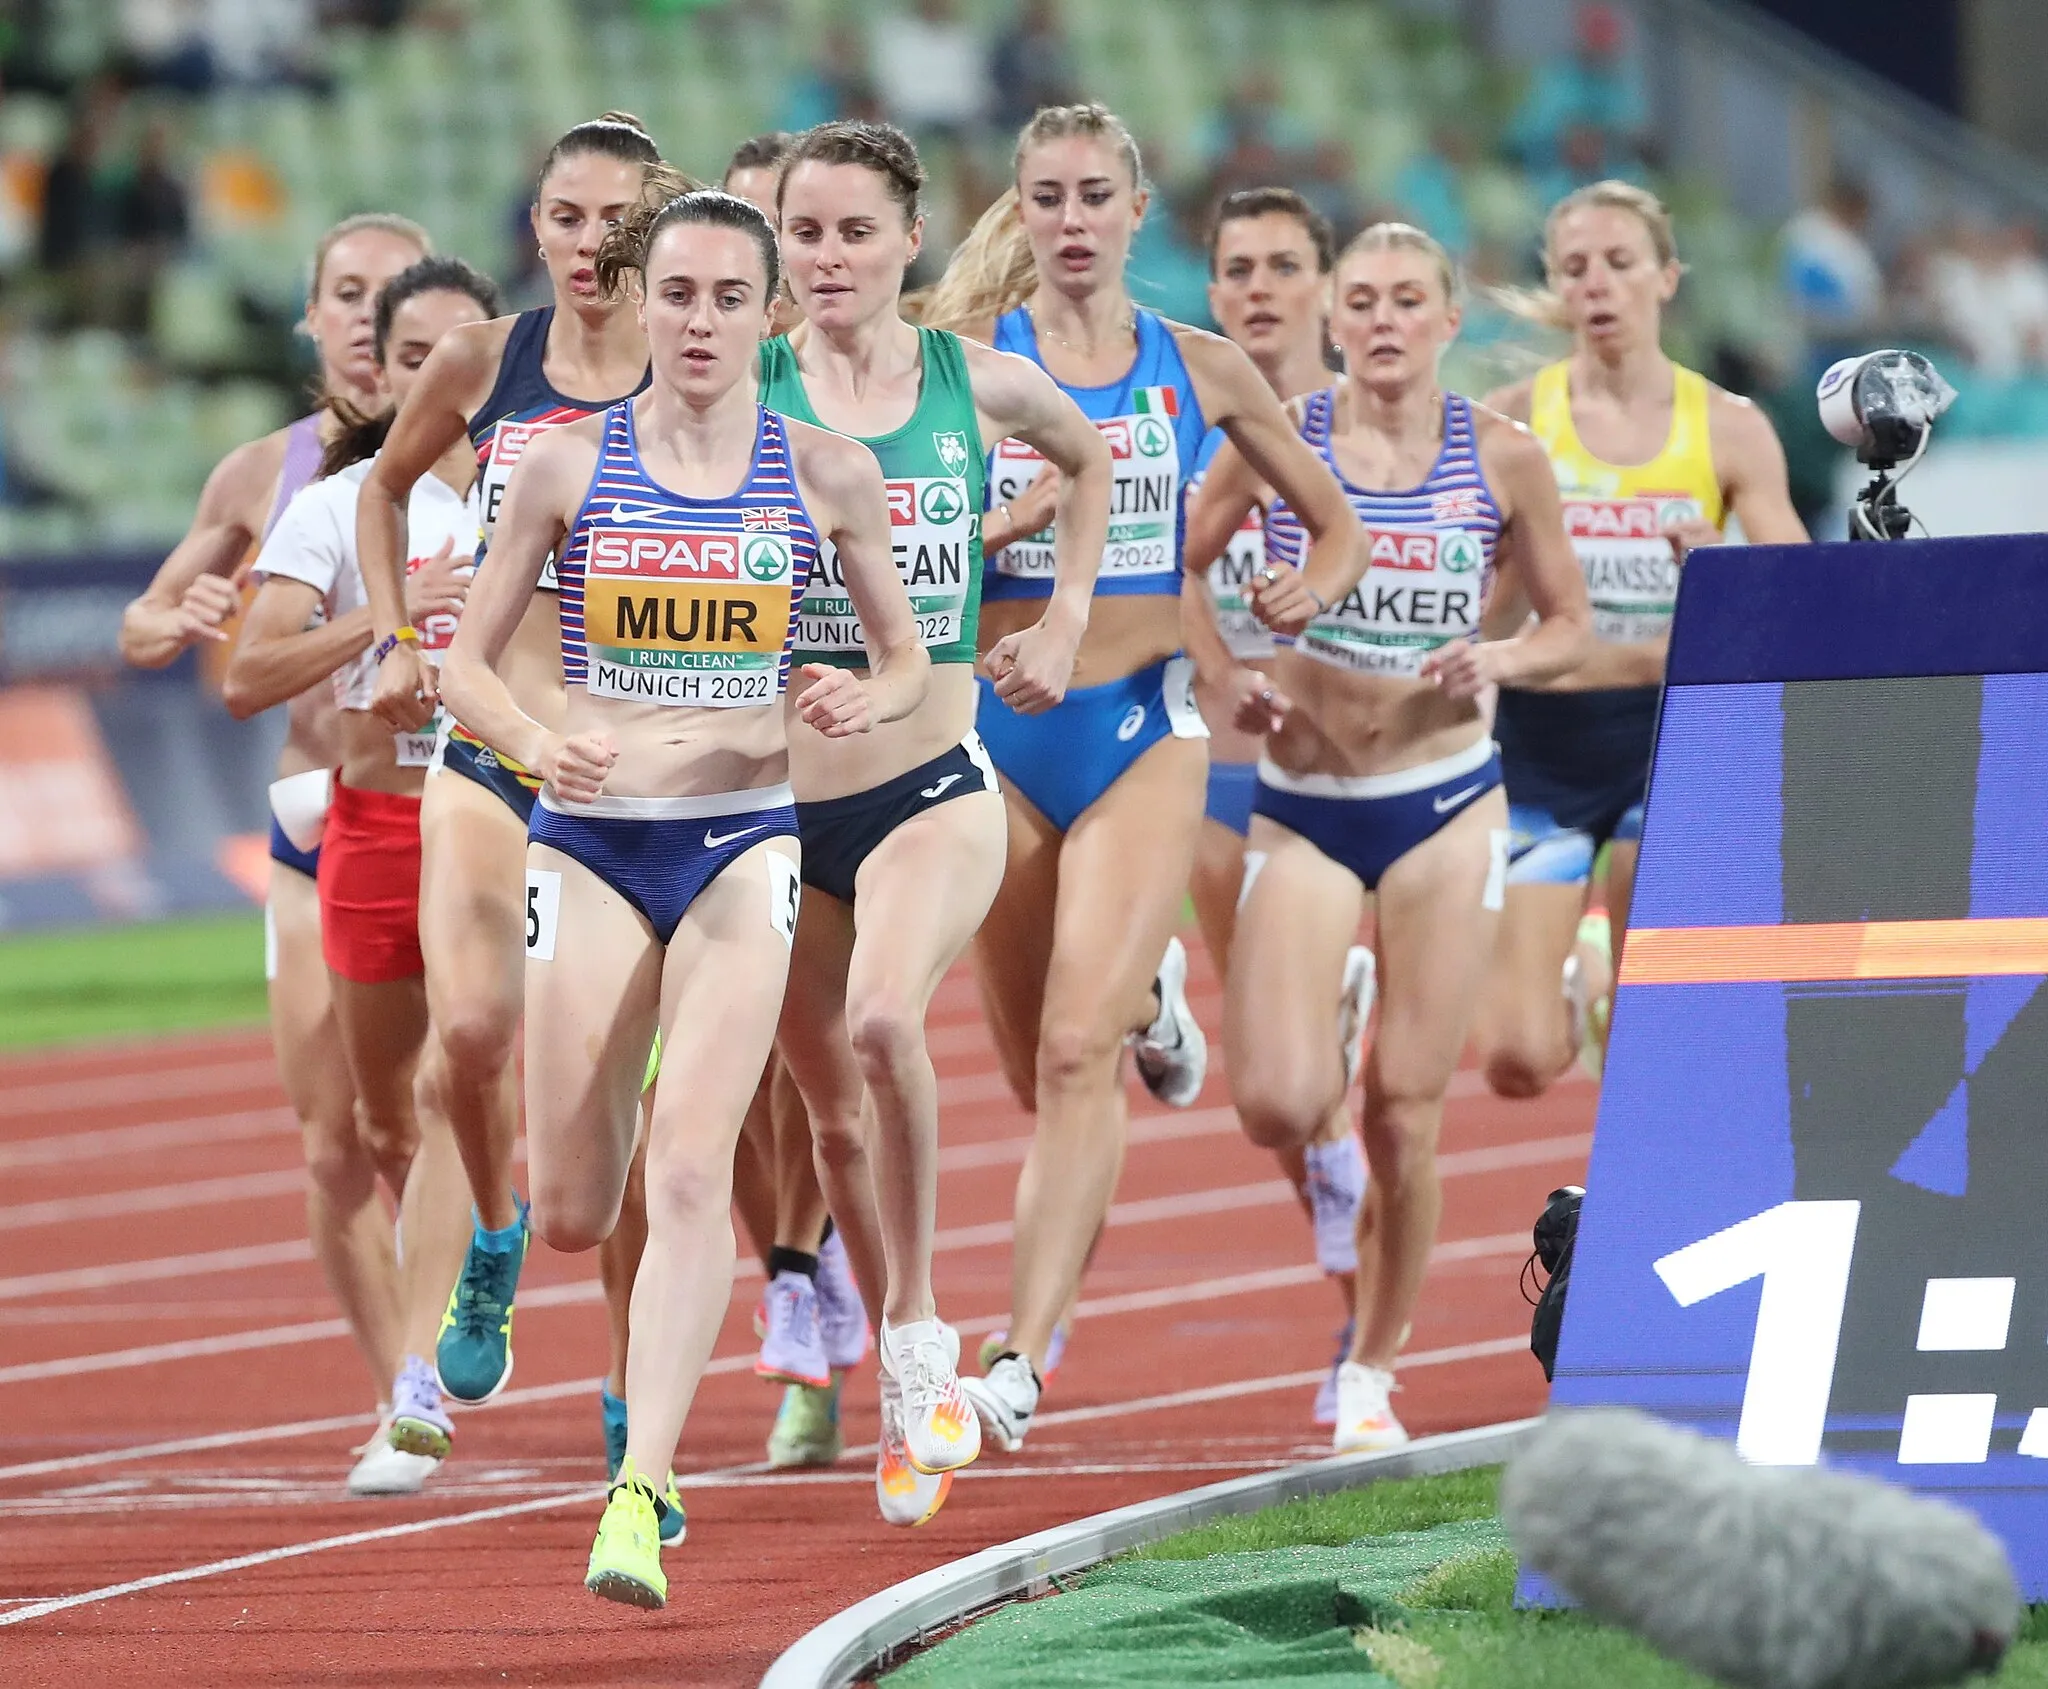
x=1379, y=777
x=904, y=834
x=1105, y=791
x=664, y=844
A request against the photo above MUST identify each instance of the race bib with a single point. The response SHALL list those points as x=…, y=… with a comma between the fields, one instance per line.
x=932, y=525
x=416, y=749
x=1144, y=504
x=1177, y=689
x=1424, y=588
x=785, y=894
x=509, y=441
x=1244, y=635
x=543, y=912
x=685, y=617
x=1631, y=572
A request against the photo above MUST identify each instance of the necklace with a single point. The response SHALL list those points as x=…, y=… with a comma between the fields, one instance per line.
x=1129, y=325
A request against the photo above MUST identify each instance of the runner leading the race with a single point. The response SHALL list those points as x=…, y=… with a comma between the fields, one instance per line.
x=1379, y=777
x=904, y=833
x=1651, y=460
x=188, y=602
x=1105, y=790
x=664, y=844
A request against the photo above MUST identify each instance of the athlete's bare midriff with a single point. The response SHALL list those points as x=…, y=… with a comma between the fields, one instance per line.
x=369, y=756
x=670, y=751
x=1361, y=724
x=821, y=768
x=1125, y=634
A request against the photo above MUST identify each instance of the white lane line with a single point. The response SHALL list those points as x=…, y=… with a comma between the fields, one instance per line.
x=73, y=1279
x=113, y=1090
x=65, y=1149
x=152, y=1199
x=717, y=1478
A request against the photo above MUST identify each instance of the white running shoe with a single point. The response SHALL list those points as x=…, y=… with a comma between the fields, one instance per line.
x=1336, y=1192
x=1172, y=1054
x=381, y=1469
x=905, y=1495
x=1354, y=1008
x=1365, y=1415
x=940, y=1429
x=1005, y=1401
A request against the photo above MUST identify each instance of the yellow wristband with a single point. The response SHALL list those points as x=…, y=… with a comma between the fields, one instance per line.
x=392, y=641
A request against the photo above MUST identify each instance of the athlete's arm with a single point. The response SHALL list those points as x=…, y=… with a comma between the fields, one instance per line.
x=279, y=655
x=1753, y=478
x=1236, y=398
x=452, y=381
x=191, y=593
x=843, y=485
x=1031, y=668
x=1231, y=490
x=1022, y=516
x=540, y=502
x=1537, y=558
x=1516, y=402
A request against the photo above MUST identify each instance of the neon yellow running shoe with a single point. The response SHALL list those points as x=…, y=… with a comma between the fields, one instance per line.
x=1591, y=1016
x=625, y=1560
x=807, y=1431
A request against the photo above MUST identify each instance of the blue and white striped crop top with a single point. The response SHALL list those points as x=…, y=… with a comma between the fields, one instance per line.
x=685, y=601
x=1153, y=423
x=1432, y=550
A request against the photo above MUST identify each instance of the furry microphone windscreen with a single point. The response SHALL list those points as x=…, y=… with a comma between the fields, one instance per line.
x=1764, y=1577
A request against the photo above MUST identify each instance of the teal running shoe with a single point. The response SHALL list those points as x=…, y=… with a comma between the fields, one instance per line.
x=474, y=1352
x=673, y=1523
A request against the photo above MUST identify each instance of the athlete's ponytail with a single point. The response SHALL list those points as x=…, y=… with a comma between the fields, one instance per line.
x=669, y=198
x=615, y=134
x=990, y=272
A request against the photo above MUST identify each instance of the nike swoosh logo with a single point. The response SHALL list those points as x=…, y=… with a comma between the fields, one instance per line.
x=713, y=840
x=939, y=790
x=1443, y=806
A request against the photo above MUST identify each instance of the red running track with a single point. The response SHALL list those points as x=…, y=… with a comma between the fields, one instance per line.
x=178, y=1400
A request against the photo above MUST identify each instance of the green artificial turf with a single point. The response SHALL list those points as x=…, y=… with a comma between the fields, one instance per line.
x=109, y=982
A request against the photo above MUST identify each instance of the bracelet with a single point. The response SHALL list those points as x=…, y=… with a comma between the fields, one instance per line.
x=392, y=641
x=1322, y=609
x=1009, y=521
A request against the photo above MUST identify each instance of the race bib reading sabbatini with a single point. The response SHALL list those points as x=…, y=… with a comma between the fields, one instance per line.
x=1424, y=588
x=1144, y=506
x=687, y=618
x=932, y=524
x=1631, y=573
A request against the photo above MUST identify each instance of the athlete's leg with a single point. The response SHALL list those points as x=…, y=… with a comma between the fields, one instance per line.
x=1523, y=1027
x=383, y=1028
x=473, y=935
x=921, y=896
x=1013, y=949
x=801, y=1206
x=1621, y=888
x=753, y=1169
x=1436, y=936
x=1121, y=870
x=350, y=1231
x=618, y=1258
x=721, y=992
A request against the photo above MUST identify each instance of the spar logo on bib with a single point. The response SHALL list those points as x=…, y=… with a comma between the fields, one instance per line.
x=1423, y=551
x=768, y=560
x=951, y=445
x=1152, y=437
x=647, y=551
x=1627, y=519
x=941, y=503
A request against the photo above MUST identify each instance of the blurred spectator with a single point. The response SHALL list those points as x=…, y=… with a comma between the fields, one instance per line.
x=1583, y=158
x=834, y=84
x=1987, y=290
x=1829, y=273
x=165, y=44
x=155, y=206
x=1031, y=65
x=1591, y=88
x=81, y=215
x=1251, y=140
x=931, y=69
x=1429, y=190
x=1169, y=264
x=1328, y=180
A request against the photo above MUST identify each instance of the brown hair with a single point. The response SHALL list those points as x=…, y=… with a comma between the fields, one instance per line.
x=384, y=222
x=760, y=152
x=1406, y=237
x=1542, y=305
x=1247, y=203
x=626, y=248
x=615, y=134
x=878, y=147
x=992, y=271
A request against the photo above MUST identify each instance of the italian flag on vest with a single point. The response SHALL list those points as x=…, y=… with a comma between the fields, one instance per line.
x=1156, y=401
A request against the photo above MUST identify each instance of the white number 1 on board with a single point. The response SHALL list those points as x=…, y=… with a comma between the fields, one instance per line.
x=1802, y=1252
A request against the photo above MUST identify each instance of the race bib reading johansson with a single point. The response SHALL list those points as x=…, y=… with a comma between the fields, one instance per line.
x=1631, y=574
x=687, y=618
x=931, y=526
x=1144, y=504
x=1423, y=589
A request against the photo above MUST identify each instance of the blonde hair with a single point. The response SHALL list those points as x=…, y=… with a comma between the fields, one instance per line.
x=1406, y=237
x=385, y=222
x=992, y=270
x=1542, y=304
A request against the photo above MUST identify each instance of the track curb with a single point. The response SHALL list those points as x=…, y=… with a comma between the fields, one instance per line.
x=838, y=1652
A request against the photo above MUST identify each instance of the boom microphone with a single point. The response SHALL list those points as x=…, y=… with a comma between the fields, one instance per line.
x=1764, y=1577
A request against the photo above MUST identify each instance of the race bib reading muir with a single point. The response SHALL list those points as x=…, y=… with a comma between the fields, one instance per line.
x=1144, y=504
x=1424, y=589
x=931, y=526
x=1244, y=635
x=1631, y=574
x=687, y=618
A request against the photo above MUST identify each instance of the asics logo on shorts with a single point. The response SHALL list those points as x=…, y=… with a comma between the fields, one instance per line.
x=1443, y=805
x=939, y=790
x=1127, y=729
x=713, y=840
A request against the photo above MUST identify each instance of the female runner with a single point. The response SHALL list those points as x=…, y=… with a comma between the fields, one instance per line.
x=1270, y=257
x=685, y=522
x=308, y=622
x=1379, y=777
x=1650, y=458
x=192, y=595
x=502, y=385
x=1105, y=790
x=904, y=835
